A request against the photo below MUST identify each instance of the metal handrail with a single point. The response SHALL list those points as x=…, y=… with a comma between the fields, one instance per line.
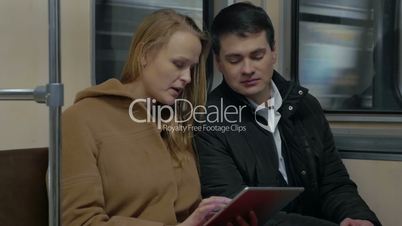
x=39, y=94
x=52, y=95
x=16, y=94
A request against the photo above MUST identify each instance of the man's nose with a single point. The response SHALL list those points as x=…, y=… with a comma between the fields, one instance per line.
x=247, y=67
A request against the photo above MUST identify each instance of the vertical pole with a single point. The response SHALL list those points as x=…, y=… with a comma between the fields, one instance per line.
x=54, y=114
x=294, y=61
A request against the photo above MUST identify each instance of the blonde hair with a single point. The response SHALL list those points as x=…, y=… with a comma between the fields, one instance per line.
x=153, y=33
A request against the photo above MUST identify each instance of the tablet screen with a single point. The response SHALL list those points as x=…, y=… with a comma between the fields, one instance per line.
x=264, y=201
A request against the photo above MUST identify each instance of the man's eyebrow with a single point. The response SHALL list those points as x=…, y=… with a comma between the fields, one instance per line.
x=259, y=50
x=231, y=55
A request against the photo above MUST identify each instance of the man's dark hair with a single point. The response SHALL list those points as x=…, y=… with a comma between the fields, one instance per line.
x=240, y=19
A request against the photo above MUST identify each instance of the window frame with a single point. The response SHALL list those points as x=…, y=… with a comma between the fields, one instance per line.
x=357, y=134
x=207, y=16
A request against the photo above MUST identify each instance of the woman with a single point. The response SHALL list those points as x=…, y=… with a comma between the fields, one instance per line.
x=120, y=171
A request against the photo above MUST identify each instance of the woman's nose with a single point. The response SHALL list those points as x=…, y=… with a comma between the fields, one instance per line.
x=186, y=76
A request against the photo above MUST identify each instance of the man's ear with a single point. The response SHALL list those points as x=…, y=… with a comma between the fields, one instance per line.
x=274, y=53
x=218, y=62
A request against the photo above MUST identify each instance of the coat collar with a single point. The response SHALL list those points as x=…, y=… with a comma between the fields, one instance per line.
x=291, y=94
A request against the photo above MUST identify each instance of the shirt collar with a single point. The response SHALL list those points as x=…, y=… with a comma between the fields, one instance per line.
x=275, y=95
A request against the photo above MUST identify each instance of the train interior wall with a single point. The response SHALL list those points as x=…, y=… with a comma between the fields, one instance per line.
x=24, y=64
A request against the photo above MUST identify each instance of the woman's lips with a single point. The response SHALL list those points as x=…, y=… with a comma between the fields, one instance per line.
x=176, y=91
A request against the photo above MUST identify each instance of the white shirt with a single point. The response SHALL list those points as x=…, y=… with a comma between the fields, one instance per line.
x=269, y=111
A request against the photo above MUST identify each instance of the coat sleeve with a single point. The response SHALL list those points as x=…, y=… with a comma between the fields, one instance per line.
x=218, y=172
x=82, y=199
x=338, y=193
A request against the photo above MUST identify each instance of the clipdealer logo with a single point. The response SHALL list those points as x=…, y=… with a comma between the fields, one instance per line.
x=163, y=114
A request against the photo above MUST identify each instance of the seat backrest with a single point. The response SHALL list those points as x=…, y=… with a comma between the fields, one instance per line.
x=23, y=193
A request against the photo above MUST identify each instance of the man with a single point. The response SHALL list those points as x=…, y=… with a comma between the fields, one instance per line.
x=278, y=136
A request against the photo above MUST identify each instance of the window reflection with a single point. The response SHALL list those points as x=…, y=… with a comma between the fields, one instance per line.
x=329, y=59
x=345, y=58
x=115, y=22
x=400, y=47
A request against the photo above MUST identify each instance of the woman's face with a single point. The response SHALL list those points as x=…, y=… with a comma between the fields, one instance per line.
x=167, y=71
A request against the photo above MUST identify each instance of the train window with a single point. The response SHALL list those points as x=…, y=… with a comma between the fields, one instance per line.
x=348, y=56
x=114, y=24
x=400, y=46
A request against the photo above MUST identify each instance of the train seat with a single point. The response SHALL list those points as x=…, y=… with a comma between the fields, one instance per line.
x=23, y=193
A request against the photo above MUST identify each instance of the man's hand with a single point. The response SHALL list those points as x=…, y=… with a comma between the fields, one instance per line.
x=353, y=222
x=252, y=221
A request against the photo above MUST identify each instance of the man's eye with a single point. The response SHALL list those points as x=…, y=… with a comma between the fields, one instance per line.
x=234, y=60
x=257, y=57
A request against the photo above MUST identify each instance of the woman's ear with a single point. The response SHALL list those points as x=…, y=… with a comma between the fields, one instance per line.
x=143, y=61
x=143, y=53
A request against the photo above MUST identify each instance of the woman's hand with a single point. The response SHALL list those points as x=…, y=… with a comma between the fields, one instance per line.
x=205, y=210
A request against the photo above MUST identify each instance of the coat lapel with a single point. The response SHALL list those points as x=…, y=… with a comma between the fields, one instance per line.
x=264, y=148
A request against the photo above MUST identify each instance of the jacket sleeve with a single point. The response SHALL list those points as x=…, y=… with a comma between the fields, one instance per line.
x=82, y=199
x=338, y=193
x=218, y=172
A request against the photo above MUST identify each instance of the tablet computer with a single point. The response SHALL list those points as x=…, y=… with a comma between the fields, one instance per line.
x=264, y=201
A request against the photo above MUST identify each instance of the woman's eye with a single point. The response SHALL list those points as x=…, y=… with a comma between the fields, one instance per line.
x=179, y=65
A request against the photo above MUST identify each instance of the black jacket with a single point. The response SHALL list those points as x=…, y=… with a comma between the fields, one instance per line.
x=230, y=159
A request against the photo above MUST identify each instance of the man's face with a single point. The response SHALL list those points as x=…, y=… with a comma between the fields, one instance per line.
x=247, y=64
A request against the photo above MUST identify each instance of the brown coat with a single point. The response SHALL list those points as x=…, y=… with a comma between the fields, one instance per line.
x=118, y=172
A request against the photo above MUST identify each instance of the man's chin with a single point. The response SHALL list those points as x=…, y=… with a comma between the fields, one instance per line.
x=249, y=91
